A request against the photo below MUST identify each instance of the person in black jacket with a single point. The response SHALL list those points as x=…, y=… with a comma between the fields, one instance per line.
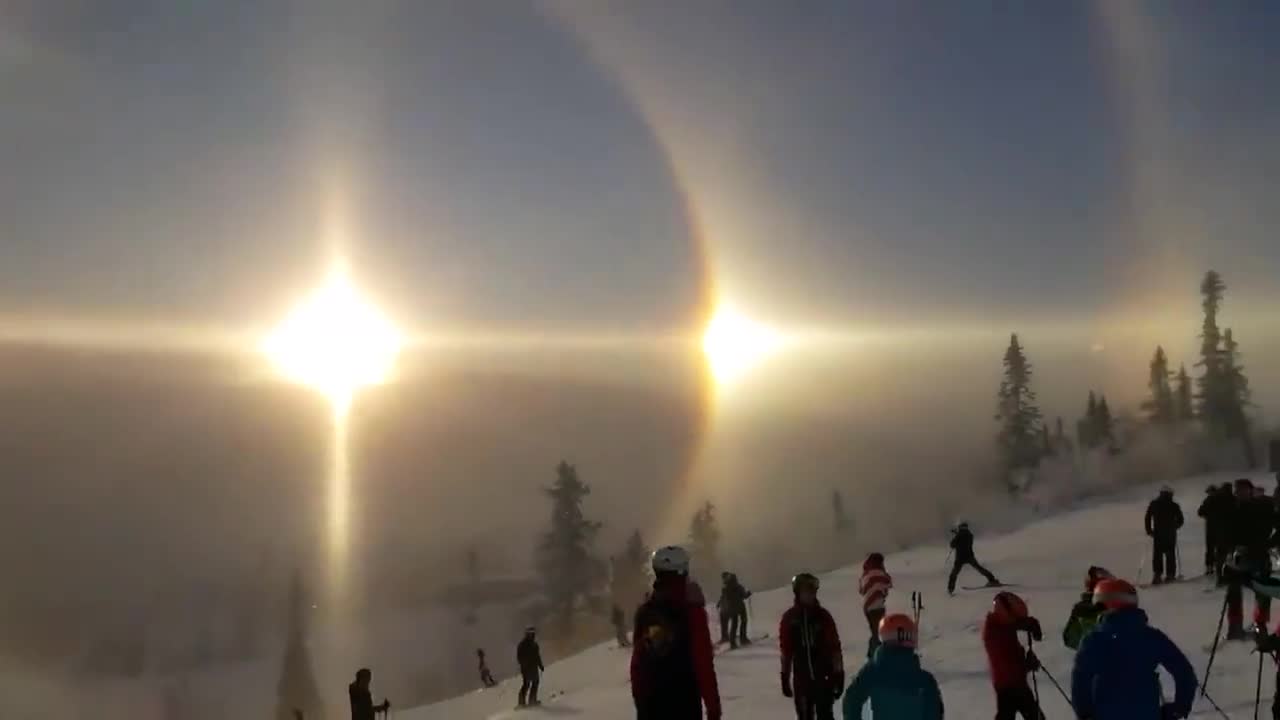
x=1216, y=511
x=962, y=544
x=733, y=611
x=362, y=707
x=1251, y=532
x=529, y=657
x=1164, y=520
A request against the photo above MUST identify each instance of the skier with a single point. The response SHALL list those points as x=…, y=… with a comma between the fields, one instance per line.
x=1163, y=520
x=1115, y=674
x=619, y=620
x=673, y=671
x=812, y=663
x=362, y=707
x=893, y=681
x=1215, y=510
x=486, y=677
x=1008, y=660
x=722, y=608
x=962, y=544
x=733, y=611
x=1086, y=613
x=1251, y=528
x=529, y=658
x=874, y=588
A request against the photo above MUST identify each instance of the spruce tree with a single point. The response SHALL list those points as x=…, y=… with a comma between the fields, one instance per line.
x=1212, y=387
x=1016, y=410
x=1104, y=430
x=1087, y=426
x=1236, y=396
x=704, y=540
x=296, y=690
x=1160, y=405
x=1046, y=442
x=1183, y=406
x=565, y=562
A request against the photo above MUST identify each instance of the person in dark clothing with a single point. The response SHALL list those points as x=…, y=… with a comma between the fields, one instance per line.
x=1163, y=521
x=1216, y=511
x=733, y=611
x=362, y=707
x=486, y=677
x=962, y=544
x=1251, y=531
x=812, y=661
x=1086, y=613
x=673, y=672
x=529, y=658
x=722, y=608
x=619, y=620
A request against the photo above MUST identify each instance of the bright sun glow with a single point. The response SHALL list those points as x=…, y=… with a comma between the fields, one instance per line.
x=334, y=342
x=734, y=344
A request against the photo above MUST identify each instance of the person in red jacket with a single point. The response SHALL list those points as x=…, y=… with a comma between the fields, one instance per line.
x=1009, y=661
x=673, y=672
x=812, y=663
x=874, y=588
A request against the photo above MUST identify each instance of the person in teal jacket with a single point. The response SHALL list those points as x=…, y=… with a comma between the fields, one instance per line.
x=893, y=681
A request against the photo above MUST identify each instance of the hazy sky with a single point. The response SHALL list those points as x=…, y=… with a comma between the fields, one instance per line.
x=508, y=164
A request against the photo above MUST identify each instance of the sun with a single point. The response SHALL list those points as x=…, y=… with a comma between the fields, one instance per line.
x=334, y=342
x=734, y=344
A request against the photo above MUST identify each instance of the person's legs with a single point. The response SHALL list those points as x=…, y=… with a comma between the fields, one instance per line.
x=1006, y=705
x=824, y=705
x=524, y=689
x=742, y=627
x=1157, y=562
x=733, y=630
x=1027, y=706
x=534, y=682
x=873, y=622
x=724, y=627
x=804, y=708
x=1171, y=560
x=991, y=579
x=955, y=573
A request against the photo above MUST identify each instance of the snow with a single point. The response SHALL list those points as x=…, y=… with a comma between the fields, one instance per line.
x=1046, y=558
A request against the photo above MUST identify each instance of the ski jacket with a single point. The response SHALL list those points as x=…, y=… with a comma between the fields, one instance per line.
x=1084, y=616
x=962, y=543
x=362, y=707
x=1164, y=518
x=896, y=686
x=529, y=655
x=1006, y=657
x=1216, y=509
x=673, y=671
x=1252, y=523
x=810, y=646
x=874, y=588
x=733, y=597
x=1115, y=671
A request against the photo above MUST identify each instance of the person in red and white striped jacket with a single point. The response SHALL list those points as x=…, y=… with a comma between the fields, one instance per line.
x=874, y=588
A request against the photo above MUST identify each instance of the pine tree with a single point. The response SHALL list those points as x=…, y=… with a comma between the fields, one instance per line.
x=1211, y=405
x=631, y=572
x=1046, y=442
x=297, y=689
x=1160, y=406
x=636, y=552
x=1019, y=436
x=704, y=540
x=1184, y=409
x=1087, y=426
x=1236, y=396
x=1104, y=429
x=565, y=561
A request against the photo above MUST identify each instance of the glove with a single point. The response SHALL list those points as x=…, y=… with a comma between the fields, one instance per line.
x=786, y=686
x=1170, y=712
x=1033, y=662
x=1033, y=627
x=837, y=682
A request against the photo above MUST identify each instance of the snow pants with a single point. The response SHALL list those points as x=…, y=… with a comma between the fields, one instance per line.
x=816, y=703
x=1164, y=558
x=1260, y=563
x=873, y=621
x=1012, y=702
x=724, y=625
x=530, y=678
x=973, y=562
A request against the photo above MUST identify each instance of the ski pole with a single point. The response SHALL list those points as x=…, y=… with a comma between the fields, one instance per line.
x=1035, y=686
x=1213, y=652
x=1215, y=706
x=1061, y=692
x=1257, y=693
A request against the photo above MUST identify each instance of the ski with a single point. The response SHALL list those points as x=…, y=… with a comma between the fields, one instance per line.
x=990, y=587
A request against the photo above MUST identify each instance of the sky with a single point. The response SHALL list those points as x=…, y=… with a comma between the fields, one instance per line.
x=921, y=178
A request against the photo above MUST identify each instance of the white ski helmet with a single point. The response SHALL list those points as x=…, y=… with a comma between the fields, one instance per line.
x=671, y=559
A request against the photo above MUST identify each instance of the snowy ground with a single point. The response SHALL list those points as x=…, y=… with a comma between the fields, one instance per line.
x=1047, y=559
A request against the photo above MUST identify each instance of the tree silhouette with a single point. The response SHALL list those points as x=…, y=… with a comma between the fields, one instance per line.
x=1236, y=396
x=1016, y=410
x=1213, y=390
x=1160, y=406
x=704, y=540
x=1104, y=426
x=566, y=564
x=297, y=690
x=1184, y=408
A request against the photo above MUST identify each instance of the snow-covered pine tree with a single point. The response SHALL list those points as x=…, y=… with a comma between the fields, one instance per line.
x=1016, y=411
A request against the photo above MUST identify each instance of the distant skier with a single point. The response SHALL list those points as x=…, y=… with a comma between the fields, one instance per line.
x=1085, y=614
x=1251, y=528
x=962, y=544
x=1163, y=521
x=1008, y=660
x=362, y=707
x=892, y=680
x=733, y=611
x=486, y=677
x=874, y=588
x=673, y=672
x=619, y=620
x=812, y=662
x=1216, y=512
x=529, y=658
x=1115, y=675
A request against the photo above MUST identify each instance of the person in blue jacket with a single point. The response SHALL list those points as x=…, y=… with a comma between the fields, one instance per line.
x=1115, y=675
x=893, y=681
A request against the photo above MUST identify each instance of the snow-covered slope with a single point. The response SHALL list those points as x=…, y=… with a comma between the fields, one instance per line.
x=1047, y=559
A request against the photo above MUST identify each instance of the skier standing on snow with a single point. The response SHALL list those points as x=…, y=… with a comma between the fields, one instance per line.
x=1115, y=674
x=874, y=588
x=673, y=672
x=529, y=657
x=486, y=677
x=1163, y=521
x=962, y=544
x=1086, y=613
x=362, y=707
x=892, y=680
x=1251, y=528
x=733, y=610
x=812, y=661
x=1008, y=660
x=1216, y=511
